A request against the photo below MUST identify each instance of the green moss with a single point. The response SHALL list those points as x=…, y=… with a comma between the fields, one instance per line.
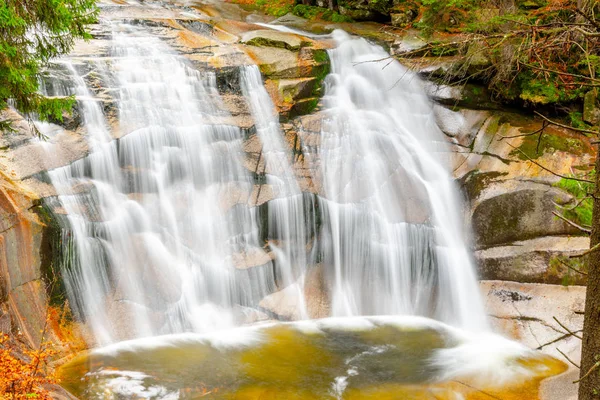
x=321, y=71
x=557, y=268
x=321, y=56
x=547, y=144
x=476, y=182
x=52, y=254
x=313, y=12
x=275, y=8
x=304, y=106
x=581, y=211
x=267, y=42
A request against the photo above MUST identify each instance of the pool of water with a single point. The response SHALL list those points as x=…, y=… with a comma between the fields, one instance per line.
x=335, y=358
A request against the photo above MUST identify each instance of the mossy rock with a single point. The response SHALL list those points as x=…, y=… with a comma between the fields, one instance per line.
x=591, y=110
x=521, y=215
x=475, y=182
x=271, y=38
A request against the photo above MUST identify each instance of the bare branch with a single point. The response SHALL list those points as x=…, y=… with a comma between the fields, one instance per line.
x=549, y=170
x=570, y=267
x=573, y=224
x=566, y=126
x=544, y=125
x=585, y=253
x=588, y=373
x=566, y=329
x=568, y=359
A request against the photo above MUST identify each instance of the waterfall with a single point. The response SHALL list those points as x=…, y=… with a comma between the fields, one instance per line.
x=155, y=240
x=392, y=235
x=161, y=215
x=286, y=212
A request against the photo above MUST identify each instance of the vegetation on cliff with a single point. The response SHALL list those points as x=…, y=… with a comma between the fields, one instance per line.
x=31, y=33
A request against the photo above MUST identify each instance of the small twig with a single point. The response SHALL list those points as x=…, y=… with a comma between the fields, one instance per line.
x=544, y=125
x=573, y=224
x=565, y=126
x=568, y=359
x=479, y=390
x=558, y=339
x=585, y=253
x=549, y=170
x=589, y=372
x=567, y=329
x=572, y=268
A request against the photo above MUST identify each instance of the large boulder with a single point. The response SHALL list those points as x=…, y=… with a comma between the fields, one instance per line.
x=521, y=214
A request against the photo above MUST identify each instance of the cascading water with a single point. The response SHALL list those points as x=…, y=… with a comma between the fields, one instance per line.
x=159, y=219
x=286, y=213
x=154, y=232
x=154, y=240
x=392, y=236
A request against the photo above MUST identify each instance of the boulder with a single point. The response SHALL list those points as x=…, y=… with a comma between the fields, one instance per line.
x=591, y=110
x=523, y=213
x=403, y=18
x=272, y=38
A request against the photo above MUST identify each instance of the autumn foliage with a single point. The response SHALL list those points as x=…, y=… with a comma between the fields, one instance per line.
x=24, y=371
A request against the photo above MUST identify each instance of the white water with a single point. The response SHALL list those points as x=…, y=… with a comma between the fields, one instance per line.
x=286, y=213
x=392, y=233
x=155, y=255
x=153, y=245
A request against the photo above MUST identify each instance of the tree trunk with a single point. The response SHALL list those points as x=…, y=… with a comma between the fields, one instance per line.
x=589, y=387
x=331, y=4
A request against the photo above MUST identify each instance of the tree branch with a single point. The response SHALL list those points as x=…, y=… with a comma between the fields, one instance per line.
x=566, y=329
x=566, y=126
x=591, y=250
x=573, y=224
x=568, y=359
x=589, y=372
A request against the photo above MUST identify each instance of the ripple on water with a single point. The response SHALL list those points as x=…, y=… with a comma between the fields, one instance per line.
x=335, y=358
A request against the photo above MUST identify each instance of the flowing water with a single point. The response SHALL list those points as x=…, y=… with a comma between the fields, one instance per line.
x=287, y=214
x=155, y=238
x=161, y=216
x=392, y=230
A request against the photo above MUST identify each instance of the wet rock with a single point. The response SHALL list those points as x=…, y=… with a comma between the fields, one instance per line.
x=285, y=303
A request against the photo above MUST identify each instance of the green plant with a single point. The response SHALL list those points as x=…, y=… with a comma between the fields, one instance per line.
x=581, y=211
x=31, y=33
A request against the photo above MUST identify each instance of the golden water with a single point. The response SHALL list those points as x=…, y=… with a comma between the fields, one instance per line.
x=383, y=360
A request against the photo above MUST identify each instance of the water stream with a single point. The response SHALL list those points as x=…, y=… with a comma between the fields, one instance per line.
x=392, y=228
